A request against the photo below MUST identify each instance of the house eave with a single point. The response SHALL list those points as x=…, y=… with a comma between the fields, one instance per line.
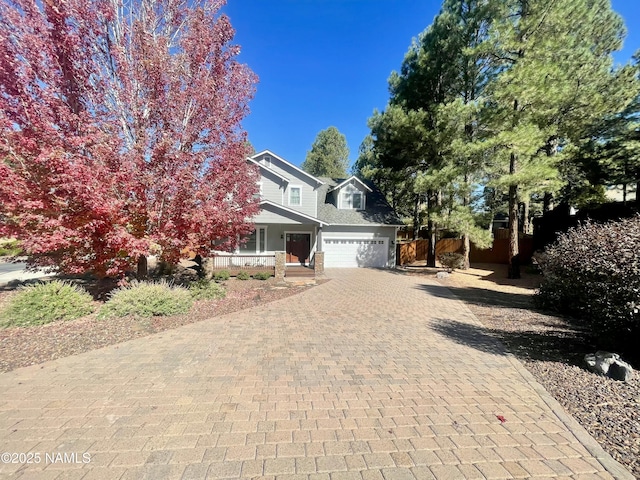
x=366, y=225
x=294, y=212
x=343, y=183
x=267, y=169
x=269, y=152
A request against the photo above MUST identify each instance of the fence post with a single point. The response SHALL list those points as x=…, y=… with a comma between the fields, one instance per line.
x=280, y=266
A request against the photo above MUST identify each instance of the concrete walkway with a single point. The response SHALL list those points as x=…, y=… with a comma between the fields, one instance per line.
x=373, y=376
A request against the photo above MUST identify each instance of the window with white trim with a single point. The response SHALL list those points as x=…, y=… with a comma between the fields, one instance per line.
x=256, y=243
x=295, y=196
x=353, y=200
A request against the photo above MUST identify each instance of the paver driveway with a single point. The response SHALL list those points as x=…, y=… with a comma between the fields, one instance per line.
x=372, y=375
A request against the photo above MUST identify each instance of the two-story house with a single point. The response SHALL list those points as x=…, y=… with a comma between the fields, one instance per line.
x=348, y=219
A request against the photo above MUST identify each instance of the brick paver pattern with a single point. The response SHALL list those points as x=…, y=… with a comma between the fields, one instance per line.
x=371, y=375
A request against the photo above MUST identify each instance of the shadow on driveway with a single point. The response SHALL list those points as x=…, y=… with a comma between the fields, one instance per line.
x=480, y=296
x=551, y=345
x=512, y=320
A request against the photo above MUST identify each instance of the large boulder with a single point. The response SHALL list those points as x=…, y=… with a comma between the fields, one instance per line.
x=609, y=364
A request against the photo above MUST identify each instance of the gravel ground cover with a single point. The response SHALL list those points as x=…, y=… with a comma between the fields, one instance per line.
x=20, y=347
x=553, y=351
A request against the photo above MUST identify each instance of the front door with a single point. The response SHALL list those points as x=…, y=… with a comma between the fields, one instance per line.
x=298, y=248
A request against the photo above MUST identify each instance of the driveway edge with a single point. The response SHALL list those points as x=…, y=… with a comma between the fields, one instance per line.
x=610, y=464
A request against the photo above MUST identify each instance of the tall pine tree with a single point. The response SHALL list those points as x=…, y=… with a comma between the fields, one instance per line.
x=556, y=78
x=329, y=155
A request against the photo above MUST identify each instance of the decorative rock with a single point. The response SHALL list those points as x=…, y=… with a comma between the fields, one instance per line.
x=609, y=364
x=442, y=275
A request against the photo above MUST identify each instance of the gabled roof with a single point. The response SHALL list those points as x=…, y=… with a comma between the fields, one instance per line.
x=348, y=180
x=295, y=212
x=377, y=210
x=270, y=153
x=267, y=169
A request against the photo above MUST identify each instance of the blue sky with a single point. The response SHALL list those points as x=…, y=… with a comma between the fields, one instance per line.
x=326, y=62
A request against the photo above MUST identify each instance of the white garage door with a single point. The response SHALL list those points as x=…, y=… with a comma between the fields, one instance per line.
x=355, y=252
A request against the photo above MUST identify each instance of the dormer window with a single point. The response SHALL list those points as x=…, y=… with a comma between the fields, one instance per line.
x=266, y=161
x=353, y=200
x=350, y=194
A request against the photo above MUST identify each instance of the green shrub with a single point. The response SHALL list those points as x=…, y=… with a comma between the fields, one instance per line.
x=9, y=248
x=204, y=289
x=451, y=260
x=46, y=302
x=221, y=275
x=593, y=274
x=147, y=299
x=242, y=275
x=262, y=276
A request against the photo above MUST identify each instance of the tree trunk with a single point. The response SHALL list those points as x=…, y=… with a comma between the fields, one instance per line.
x=466, y=242
x=466, y=250
x=547, y=202
x=143, y=270
x=431, y=253
x=514, y=255
x=526, y=223
x=416, y=217
x=551, y=149
x=638, y=194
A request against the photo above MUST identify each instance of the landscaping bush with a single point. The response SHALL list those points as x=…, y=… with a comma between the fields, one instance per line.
x=204, y=289
x=262, y=276
x=147, y=299
x=242, y=275
x=593, y=273
x=221, y=275
x=9, y=248
x=44, y=303
x=451, y=260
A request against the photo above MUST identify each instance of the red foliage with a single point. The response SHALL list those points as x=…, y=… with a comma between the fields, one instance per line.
x=121, y=132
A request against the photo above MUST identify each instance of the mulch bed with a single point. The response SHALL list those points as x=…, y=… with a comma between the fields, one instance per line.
x=23, y=346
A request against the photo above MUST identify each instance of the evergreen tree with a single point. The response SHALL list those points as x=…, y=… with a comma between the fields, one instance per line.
x=556, y=78
x=329, y=155
x=392, y=184
x=437, y=91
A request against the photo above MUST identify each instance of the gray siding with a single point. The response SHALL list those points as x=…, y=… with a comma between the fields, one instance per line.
x=309, y=186
x=267, y=216
x=272, y=188
x=308, y=198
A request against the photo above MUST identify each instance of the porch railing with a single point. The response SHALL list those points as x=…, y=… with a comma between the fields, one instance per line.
x=247, y=263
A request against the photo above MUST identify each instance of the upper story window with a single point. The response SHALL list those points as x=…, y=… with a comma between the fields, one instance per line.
x=295, y=196
x=353, y=200
x=266, y=161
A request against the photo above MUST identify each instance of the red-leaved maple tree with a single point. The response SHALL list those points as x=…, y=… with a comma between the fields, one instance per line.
x=120, y=131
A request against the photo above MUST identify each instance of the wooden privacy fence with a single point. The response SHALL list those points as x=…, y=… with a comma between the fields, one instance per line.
x=409, y=252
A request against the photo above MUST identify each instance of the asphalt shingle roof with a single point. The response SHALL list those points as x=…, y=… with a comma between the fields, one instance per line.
x=377, y=210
